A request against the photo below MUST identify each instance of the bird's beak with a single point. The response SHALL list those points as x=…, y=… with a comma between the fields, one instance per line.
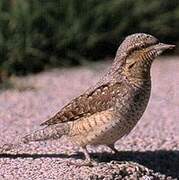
x=162, y=47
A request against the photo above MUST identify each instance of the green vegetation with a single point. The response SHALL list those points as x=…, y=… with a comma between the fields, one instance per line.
x=38, y=34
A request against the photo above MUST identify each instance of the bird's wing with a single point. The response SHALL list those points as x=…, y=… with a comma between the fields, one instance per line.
x=91, y=102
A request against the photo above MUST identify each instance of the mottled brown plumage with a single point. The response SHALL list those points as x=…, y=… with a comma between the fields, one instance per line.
x=110, y=109
x=97, y=100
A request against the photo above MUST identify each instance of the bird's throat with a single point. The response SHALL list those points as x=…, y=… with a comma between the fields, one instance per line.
x=139, y=73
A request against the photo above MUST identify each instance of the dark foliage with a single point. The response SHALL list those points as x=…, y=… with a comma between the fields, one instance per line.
x=38, y=34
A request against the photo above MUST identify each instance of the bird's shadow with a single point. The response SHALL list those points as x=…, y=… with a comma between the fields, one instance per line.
x=165, y=162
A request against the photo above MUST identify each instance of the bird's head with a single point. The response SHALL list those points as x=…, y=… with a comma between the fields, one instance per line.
x=137, y=52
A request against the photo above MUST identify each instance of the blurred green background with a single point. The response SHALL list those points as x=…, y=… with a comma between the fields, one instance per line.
x=41, y=34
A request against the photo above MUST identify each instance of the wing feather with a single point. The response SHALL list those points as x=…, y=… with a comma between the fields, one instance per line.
x=97, y=100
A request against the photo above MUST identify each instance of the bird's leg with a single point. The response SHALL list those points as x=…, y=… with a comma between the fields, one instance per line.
x=115, y=151
x=86, y=153
x=87, y=161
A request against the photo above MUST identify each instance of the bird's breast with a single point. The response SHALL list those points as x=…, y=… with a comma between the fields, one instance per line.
x=131, y=107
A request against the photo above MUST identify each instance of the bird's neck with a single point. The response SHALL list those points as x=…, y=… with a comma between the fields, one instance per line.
x=139, y=74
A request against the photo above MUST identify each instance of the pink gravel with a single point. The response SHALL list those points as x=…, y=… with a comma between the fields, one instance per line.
x=150, y=151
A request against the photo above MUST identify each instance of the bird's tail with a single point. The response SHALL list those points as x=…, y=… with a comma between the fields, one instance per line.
x=49, y=132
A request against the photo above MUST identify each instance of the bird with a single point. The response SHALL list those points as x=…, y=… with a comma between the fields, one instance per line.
x=111, y=108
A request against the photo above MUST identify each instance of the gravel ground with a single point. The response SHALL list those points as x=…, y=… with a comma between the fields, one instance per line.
x=150, y=151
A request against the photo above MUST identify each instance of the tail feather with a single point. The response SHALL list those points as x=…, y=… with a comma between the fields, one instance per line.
x=49, y=132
